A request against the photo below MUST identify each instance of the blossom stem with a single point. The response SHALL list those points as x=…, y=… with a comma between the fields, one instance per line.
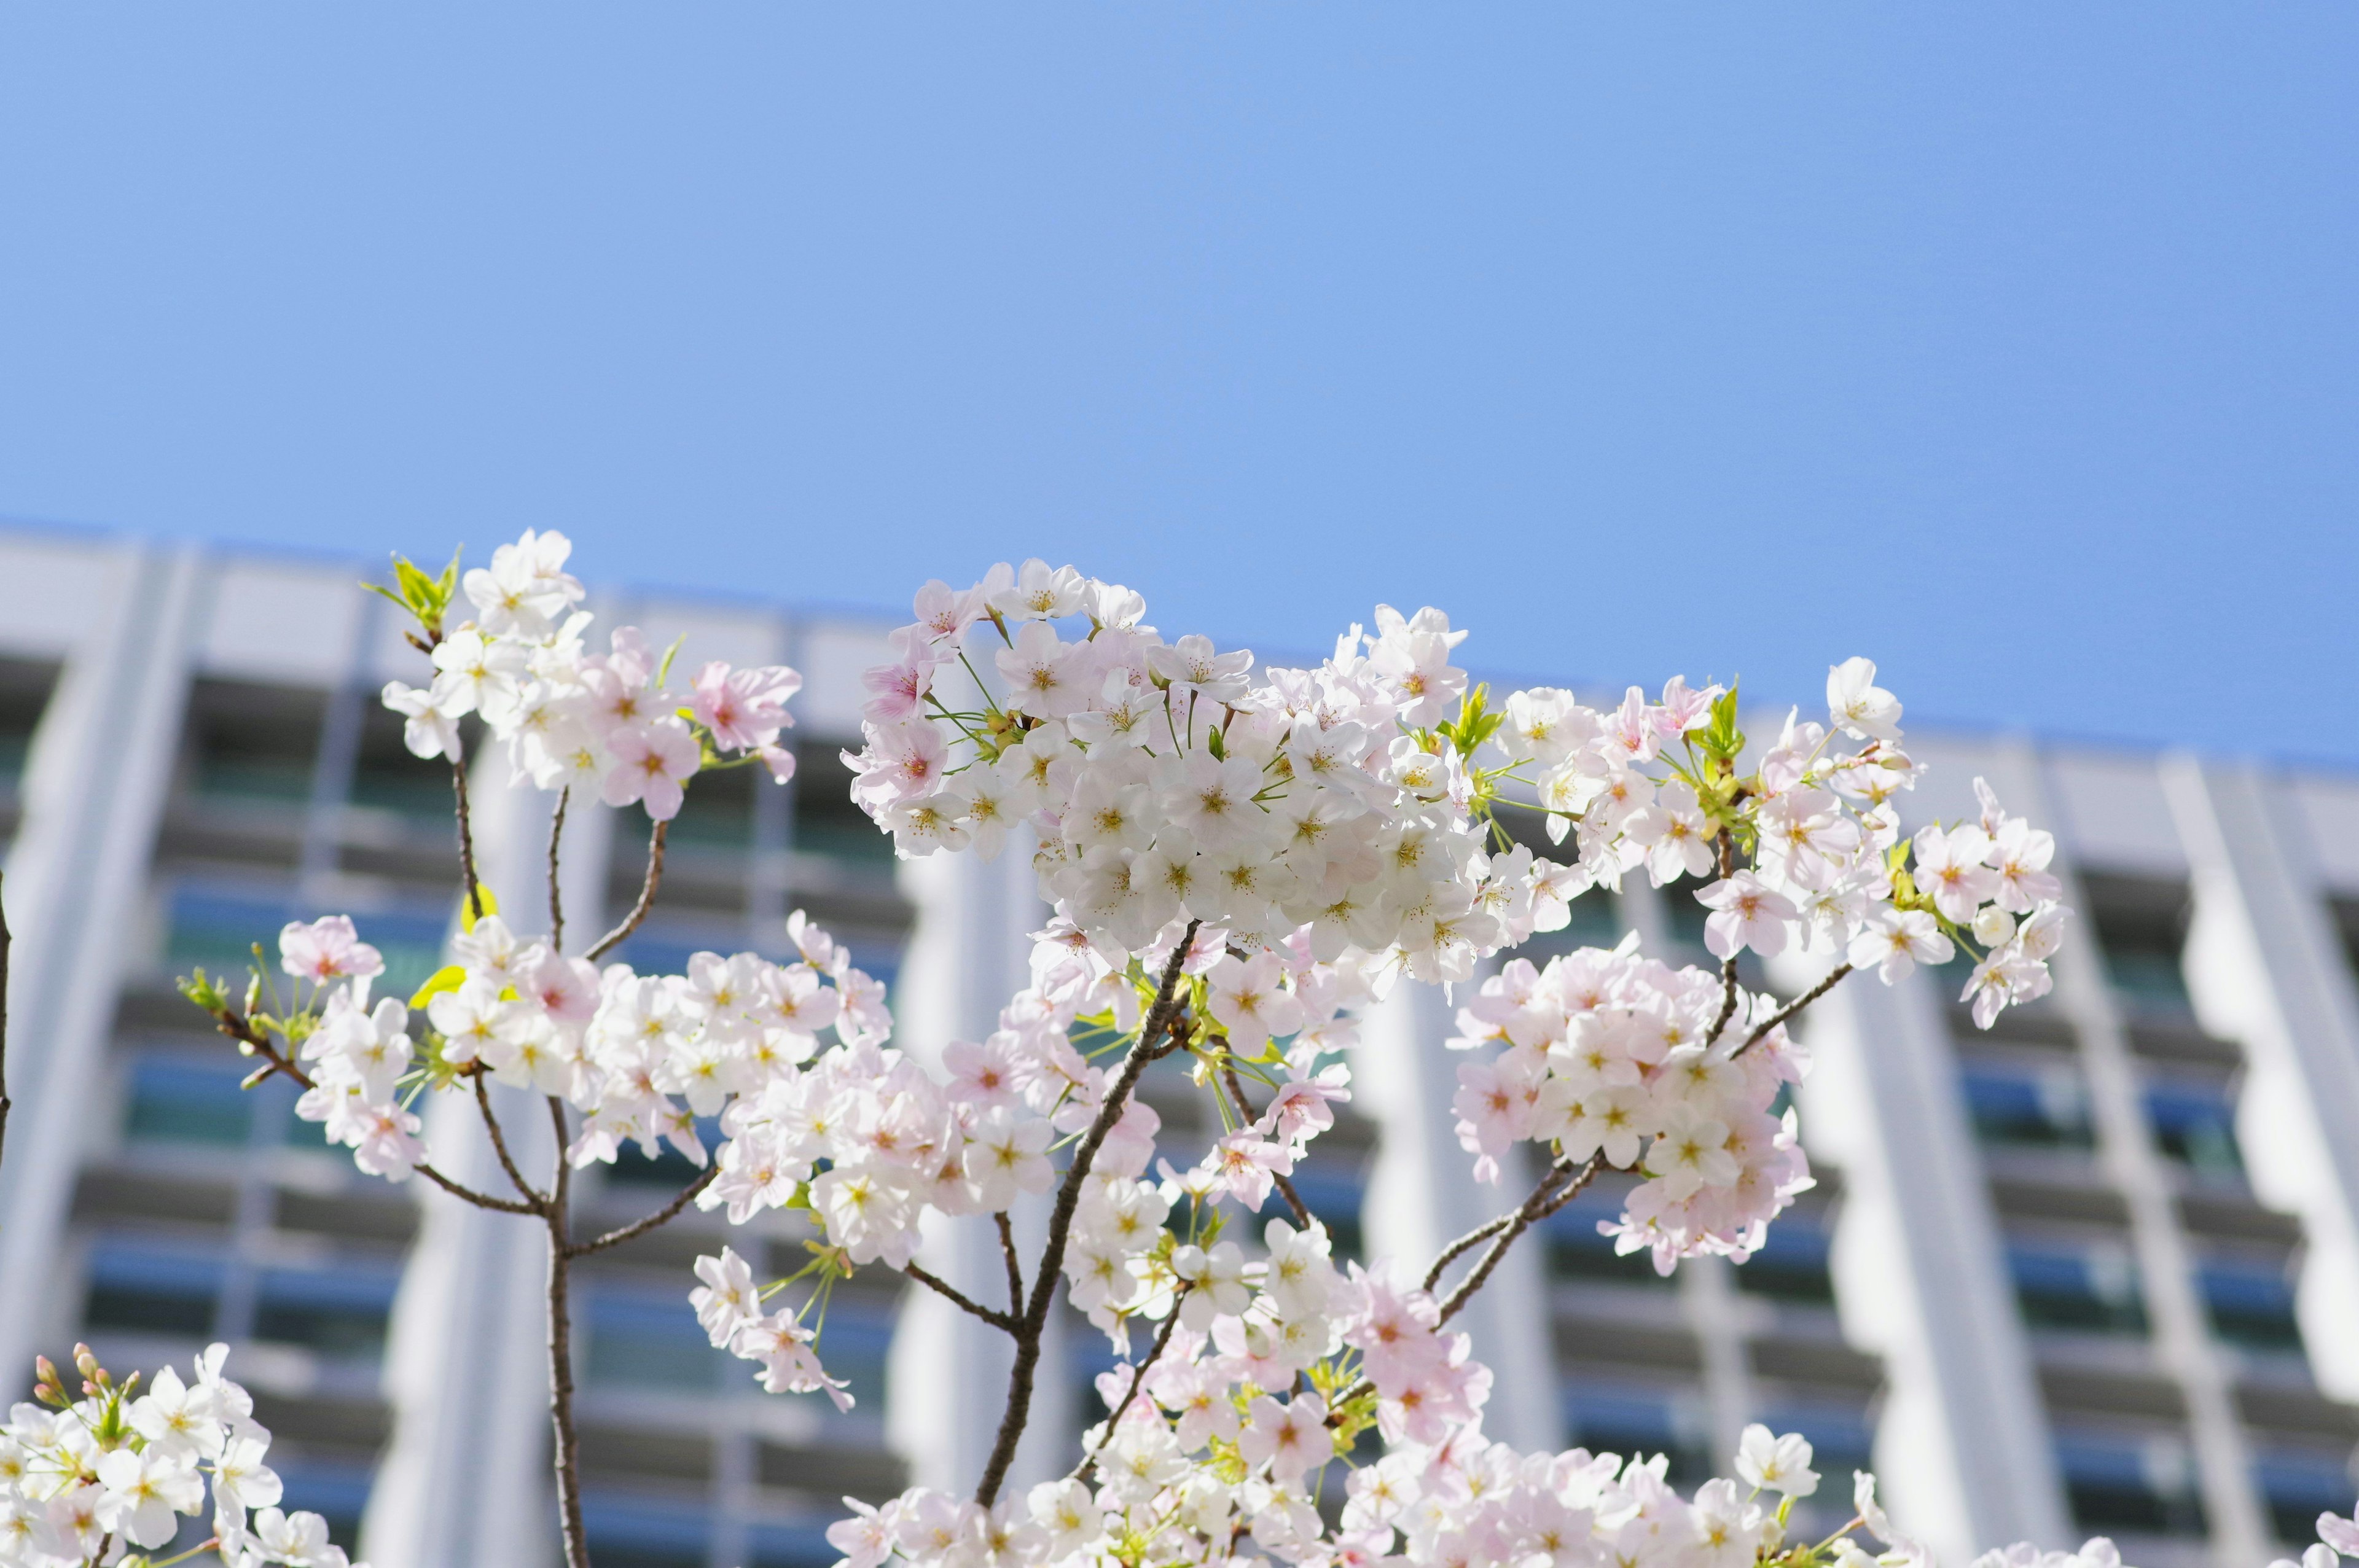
x=1035, y=1321
x=1727, y=964
x=632, y=920
x=1089, y=1465
x=561, y=1348
x=1015, y=1268
x=1785, y=1014
x=500, y=1145
x=661, y=1217
x=556, y=898
x=5, y=940
x=958, y=1298
x=1245, y=1108
x=466, y=841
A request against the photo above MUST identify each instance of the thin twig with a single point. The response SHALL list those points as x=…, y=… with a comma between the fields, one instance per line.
x=466, y=841
x=1464, y=1244
x=647, y=897
x=958, y=1298
x=1245, y=1108
x=1015, y=1269
x=560, y=1347
x=1061, y=1219
x=243, y=1031
x=1727, y=964
x=1785, y=1014
x=1543, y=1202
x=500, y=1143
x=1089, y=1465
x=556, y=897
x=661, y=1217
x=1558, y=1185
x=4, y=942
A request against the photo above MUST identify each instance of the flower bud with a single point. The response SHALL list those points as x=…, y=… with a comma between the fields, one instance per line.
x=1994, y=926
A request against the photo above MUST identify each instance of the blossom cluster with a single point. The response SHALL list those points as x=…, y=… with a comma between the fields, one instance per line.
x=1612, y=1054
x=85, y=1479
x=573, y=718
x=643, y=1057
x=1168, y=781
x=867, y=1139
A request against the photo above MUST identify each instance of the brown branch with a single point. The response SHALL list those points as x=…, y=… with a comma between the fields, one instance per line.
x=242, y=1029
x=647, y=897
x=1089, y=1465
x=958, y=1298
x=1558, y=1185
x=1245, y=1108
x=1785, y=1014
x=466, y=841
x=561, y=1348
x=556, y=898
x=661, y=1217
x=1034, y=1320
x=1545, y=1201
x=4, y=942
x=500, y=1143
x=1727, y=964
x=1015, y=1269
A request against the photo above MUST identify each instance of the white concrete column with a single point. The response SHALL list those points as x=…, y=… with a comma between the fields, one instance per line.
x=2127, y=1148
x=1422, y=1194
x=2265, y=968
x=1920, y=1277
x=94, y=791
x=466, y=1479
x=967, y=953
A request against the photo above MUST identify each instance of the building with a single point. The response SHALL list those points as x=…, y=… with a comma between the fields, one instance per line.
x=2096, y=1271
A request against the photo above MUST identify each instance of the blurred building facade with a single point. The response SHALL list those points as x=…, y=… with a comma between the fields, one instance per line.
x=2096, y=1271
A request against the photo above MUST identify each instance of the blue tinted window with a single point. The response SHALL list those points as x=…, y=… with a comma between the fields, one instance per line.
x=650, y=1341
x=2091, y=1287
x=2299, y=1487
x=139, y=1291
x=2251, y=1304
x=178, y=1099
x=2042, y=1107
x=625, y=1535
x=1791, y=1263
x=2122, y=1483
x=1636, y=1422
x=1578, y=1252
x=2196, y=1125
x=341, y=1313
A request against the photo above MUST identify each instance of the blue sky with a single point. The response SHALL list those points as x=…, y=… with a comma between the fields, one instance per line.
x=2014, y=345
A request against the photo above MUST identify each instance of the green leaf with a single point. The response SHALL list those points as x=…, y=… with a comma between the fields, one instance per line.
x=449, y=978
x=669, y=654
x=467, y=912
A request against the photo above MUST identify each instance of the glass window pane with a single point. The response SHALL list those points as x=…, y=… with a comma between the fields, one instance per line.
x=175, y=1100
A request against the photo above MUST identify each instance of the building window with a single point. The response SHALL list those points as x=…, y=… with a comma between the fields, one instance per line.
x=2251, y=1304
x=1792, y=1262
x=2091, y=1287
x=1634, y=1422
x=1577, y=1251
x=339, y=1313
x=2298, y=1485
x=25, y=689
x=178, y=1099
x=628, y=1535
x=650, y=1340
x=136, y=1290
x=253, y=745
x=2145, y=1485
x=2029, y=1105
x=2141, y=928
x=2195, y=1124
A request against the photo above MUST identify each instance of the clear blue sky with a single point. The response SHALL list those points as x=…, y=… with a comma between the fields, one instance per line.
x=2014, y=345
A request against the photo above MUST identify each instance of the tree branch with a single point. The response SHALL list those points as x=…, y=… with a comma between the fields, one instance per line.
x=556, y=898
x=1245, y=1108
x=661, y=1217
x=1015, y=1268
x=500, y=1143
x=1727, y=964
x=560, y=1347
x=466, y=841
x=958, y=1298
x=1785, y=1014
x=1089, y=1465
x=1558, y=1185
x=5, y=940
x=647, y=897
x=1061, y=1219
x=242, y=1029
